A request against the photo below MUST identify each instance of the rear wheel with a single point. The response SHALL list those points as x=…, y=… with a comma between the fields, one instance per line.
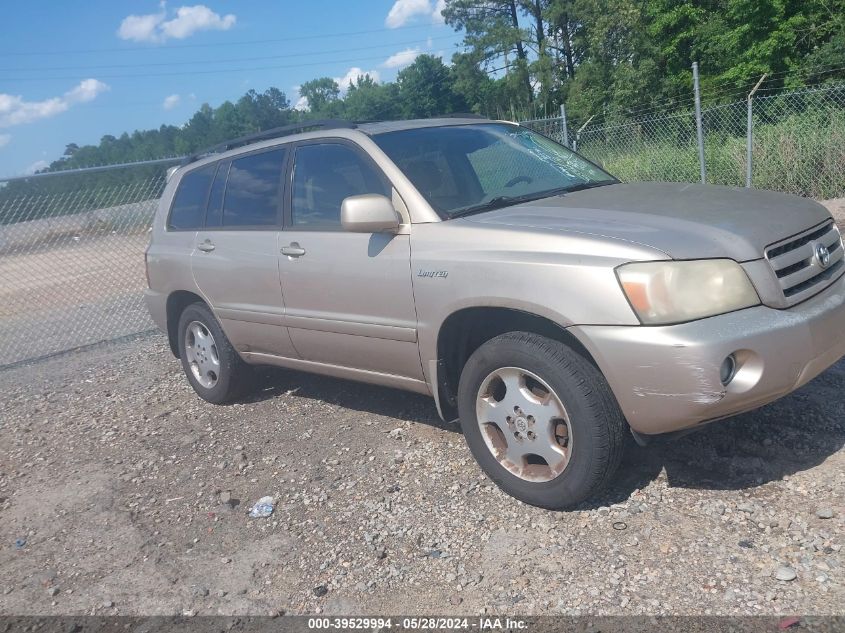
x=211, y=364
x=540, y=420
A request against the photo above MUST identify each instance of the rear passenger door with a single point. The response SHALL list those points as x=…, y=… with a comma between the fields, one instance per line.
x=348, y=296
x=235, y=259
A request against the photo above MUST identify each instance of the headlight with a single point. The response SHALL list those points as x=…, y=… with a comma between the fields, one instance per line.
x=675, y=292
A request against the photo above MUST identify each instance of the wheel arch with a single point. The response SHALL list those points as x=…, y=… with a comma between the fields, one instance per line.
x=467, y=329
x=176, y=303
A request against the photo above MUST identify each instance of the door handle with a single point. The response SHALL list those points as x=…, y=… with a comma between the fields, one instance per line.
x=206, y=246
x=294, y=250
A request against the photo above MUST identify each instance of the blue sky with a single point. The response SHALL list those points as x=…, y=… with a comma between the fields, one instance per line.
x=74, y=71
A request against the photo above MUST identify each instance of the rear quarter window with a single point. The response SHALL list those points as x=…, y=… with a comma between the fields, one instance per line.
x=188, y=209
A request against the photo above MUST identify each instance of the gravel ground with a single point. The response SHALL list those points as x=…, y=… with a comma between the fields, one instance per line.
x=122, y=493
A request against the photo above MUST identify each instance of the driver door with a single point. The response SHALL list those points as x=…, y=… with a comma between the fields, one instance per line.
x=348, y=296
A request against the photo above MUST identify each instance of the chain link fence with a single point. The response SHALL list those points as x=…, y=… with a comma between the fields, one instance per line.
x=72, y=257
x=797, y=143
x=651, y=148
x=553, y=127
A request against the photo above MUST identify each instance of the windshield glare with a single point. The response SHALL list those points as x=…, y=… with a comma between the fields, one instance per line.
x=458, y=168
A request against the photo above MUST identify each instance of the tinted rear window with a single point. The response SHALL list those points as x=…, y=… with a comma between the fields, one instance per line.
x=188, y=209
x=252, y=190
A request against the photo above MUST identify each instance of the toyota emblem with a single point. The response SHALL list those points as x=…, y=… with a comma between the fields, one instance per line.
x=822, y=255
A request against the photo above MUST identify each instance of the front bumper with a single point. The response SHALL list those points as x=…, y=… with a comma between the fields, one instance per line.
x=667, y=378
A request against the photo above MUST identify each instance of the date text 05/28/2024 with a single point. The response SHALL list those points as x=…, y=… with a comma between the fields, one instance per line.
x=417, y=623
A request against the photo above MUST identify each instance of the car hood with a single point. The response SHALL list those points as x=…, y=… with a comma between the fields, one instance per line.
x=685, y=221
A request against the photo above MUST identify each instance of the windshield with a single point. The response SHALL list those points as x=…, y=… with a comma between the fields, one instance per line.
x=464, y=169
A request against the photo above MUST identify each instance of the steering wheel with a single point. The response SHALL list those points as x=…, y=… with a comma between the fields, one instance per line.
x=526, y=179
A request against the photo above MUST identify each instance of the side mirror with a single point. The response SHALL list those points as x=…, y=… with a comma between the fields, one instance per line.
x=369, y=213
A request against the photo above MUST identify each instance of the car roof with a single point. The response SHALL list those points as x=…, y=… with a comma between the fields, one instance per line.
x=383, y=127
x=321, y=129
x=326, y=128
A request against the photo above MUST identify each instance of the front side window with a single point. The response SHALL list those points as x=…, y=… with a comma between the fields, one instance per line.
x=188, y=210
x=323, y=176
x=495, y=164
x=252, y=190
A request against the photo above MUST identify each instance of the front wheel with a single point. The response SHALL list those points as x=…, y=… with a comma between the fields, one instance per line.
x=540, y=420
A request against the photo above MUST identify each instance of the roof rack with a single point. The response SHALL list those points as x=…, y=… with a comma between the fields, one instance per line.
x=276, y=132
x=460, y=115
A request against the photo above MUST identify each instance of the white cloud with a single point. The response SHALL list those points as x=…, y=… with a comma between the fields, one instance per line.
x=14, y=110
x=36, y=166
x=155, y=27
x=402, y=58
x=171, y=101
x=352, y=75
x=436, y=16
x=4, y=139
x=189, y=20
x=301, y=104
x=141, y=28
x=87, y=90
x=403, y=11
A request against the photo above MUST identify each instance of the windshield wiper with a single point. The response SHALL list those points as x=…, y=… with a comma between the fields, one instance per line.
x=589, y=185
x=496, y=203
x=505, y=201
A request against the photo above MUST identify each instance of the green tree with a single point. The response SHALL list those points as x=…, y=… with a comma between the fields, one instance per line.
x=564, y=28
x=320, y=93
x=367, y=100
x=264, y=111
x=492, y=31
x=481, y=94
x=425, y=89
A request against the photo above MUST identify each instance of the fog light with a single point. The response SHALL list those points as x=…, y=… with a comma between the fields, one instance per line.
x=727, y=370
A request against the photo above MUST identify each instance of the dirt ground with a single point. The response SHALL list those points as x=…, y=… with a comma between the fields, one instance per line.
x=122, y=493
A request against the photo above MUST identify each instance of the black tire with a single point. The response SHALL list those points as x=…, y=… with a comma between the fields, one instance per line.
x=234, y=375
x=597, y=425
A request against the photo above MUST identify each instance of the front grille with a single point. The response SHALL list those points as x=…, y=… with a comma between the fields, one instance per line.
x=797, y=266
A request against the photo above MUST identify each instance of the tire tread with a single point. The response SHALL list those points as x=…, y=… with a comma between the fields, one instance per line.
x=609, y=424
x=236, y=371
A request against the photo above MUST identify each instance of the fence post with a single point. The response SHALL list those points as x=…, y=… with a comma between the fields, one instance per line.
x=563, y=121
x=749, y=138
x=578, y=133
x=698, y=123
